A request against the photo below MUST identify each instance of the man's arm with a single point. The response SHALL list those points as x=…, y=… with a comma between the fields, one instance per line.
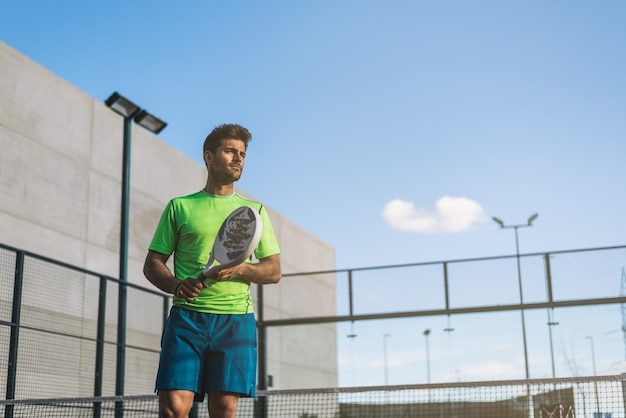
x=157, y=272
x=266, y=271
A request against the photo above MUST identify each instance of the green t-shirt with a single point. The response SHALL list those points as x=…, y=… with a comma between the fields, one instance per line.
x=188, y=227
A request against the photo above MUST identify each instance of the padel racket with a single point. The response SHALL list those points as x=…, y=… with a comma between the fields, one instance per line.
x=236, y=240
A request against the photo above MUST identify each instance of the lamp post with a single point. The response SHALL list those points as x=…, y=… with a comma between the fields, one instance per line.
x=385, y=336
x=595, y=383
x=352, y=336
x=551, y=323
x=426, y=334
x=519, y=280
x=129, y=111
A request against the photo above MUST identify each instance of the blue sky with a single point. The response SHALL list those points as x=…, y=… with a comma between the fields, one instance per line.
x=393, y=130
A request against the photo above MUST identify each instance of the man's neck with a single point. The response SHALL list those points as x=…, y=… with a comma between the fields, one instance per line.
x=219, y=189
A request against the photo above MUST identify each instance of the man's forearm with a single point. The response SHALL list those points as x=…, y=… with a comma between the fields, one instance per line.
x=266, y=271
x=160, y=275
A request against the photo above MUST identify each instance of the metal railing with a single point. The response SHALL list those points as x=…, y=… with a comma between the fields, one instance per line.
x=58, y=325
x=557, y=279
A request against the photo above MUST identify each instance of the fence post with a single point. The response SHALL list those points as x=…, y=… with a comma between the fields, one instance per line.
x=100, y=331
x=548, y=277
x=16, y=312
x=350, y=297
x=446, y=286
x=260, y=402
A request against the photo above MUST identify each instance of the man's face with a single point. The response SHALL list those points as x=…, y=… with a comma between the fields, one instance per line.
x=227, y=163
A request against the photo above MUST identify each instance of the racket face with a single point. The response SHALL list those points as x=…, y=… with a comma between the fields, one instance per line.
x=238, y=237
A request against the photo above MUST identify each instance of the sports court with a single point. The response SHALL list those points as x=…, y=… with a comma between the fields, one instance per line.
x=389, y=135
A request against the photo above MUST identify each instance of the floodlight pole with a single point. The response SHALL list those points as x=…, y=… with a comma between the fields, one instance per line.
x=595, y=383
x=521, y=300
x=129, y=111
x=123, y=263
x=426, y=334
x=519, y=281
x=385, y=336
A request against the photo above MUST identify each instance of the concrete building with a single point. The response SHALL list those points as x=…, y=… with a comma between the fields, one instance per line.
x=60, y=187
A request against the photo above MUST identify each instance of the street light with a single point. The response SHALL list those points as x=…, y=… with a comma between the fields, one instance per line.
x=150, y=122
x=426, y=334
x=551, y=323
x=129, y=111
x=352, y=336
x=385, y=355
x=519, y=280
x=595, y=383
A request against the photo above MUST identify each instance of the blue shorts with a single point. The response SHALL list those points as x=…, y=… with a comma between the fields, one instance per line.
x=201, y=352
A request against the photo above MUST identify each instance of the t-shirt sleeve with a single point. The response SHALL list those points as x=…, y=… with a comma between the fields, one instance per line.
x=268, y=245
x=166, y=234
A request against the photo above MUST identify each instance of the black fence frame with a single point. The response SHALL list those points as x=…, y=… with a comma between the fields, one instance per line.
x=262, y=323
x=550, y=303
x=15, y=324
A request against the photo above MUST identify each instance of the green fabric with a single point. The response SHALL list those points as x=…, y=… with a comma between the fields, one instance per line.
x=187, y=229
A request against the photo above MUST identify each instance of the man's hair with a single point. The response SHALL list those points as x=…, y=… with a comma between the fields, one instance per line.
x=226, y=131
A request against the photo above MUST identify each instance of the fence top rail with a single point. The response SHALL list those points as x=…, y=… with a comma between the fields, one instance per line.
x=310, y=273
x=461, y=260
x=347, y=389
x=472, y=384
x=48, y=401
x=78, y=269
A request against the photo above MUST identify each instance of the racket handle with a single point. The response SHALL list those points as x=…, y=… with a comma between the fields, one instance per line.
x=210, y=270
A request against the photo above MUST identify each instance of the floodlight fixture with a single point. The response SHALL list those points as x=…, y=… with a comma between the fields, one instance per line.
x=499, y=221
x=122, y=105
x=129, y=110
x=150, y=122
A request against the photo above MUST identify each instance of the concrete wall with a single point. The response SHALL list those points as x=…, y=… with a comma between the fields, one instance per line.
x=60, y=183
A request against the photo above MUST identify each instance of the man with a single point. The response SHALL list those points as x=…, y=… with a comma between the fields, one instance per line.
x=209, y=340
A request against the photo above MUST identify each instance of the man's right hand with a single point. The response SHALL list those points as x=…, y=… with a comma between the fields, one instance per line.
x=189, y=289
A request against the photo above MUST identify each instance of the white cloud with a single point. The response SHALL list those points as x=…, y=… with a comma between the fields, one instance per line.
x=451, y=214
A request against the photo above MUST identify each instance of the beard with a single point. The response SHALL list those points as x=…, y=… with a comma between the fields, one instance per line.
x=226, y=177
